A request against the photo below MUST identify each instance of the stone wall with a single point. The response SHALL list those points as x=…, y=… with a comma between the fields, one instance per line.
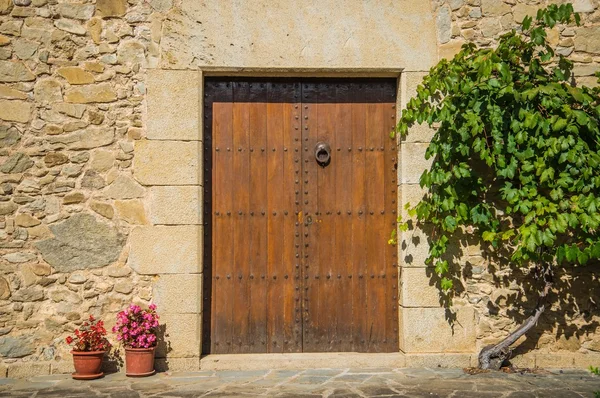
x=493, y=298
x=101, y=143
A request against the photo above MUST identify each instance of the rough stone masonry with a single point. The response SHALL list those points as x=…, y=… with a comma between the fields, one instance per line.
x=100, y=136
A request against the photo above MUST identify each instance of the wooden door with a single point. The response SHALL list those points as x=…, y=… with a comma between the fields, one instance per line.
x=296, y=255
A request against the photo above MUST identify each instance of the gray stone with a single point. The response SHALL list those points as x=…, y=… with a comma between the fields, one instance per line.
x=77, y=278
x=89, y=138
x=583, y=6
x=76, y=10
x=92, y=180
x=131, y=52
x=7, y=208
x=15, y=71
x=118, y=271
x=17, y=163
x=66, y=296
x=444, y=23
x=5, y=330
x=124, y=188
x=74, y=110
x=161, y=5
x=70, y=26
x=19, y=257
x=24, y=49
x=124, y=287
x=81, y=242
x=22, y=3
x=9, y=136
x=588, y=39
x=28, y=294
x=16, y=347
x=456, y=4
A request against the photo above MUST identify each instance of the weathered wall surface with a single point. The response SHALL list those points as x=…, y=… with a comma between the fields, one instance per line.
x=492, y=298
x=100, y=155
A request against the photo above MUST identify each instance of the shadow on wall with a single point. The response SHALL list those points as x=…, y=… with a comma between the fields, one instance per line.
x=505, y=294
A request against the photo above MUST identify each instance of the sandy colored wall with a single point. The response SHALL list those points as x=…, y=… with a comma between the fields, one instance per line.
x=101, y=142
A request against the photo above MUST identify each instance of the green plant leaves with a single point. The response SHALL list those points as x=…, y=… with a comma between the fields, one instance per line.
x=516, y=157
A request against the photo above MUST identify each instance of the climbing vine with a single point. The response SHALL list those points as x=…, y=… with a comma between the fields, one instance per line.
x=515, y=159
x=516, y=152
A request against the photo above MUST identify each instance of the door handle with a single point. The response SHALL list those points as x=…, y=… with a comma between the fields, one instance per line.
x=323, y=154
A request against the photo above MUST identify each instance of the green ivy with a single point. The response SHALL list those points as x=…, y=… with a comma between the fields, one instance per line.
x=516, y=151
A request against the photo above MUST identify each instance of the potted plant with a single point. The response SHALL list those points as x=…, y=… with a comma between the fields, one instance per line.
x=89, y=347
x=136, y=328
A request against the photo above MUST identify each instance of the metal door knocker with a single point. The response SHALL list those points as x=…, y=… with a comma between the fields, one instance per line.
x=323, y=154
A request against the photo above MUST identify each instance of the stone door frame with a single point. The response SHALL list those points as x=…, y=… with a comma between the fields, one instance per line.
x=169, y=163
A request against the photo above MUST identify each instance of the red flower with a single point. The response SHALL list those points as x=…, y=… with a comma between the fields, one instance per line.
x=90, y=337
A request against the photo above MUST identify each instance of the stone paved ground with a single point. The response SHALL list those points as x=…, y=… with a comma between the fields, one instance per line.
x=314, y=383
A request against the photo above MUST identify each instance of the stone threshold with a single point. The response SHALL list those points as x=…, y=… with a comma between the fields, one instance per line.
x=302, y=361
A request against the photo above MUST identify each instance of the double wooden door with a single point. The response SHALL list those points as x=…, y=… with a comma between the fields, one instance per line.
x=300, y=189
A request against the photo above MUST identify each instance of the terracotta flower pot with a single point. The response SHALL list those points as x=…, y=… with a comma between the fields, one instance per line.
x=87, y=364
x=139, y=362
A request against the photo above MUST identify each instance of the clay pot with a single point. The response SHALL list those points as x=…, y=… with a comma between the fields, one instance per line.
x=139, y=362
x=87, y=364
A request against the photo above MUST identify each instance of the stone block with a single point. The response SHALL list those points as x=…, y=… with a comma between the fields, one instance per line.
x=410, y=194
x=24, y=370
x=178, y=293
x=520, y=361
x=413, y=79
x=587, y=39
x=62, y=367
x=166, y=249
x=294, y=38
x=167, y=162
x=414, y=247
x=177, y=364
x=585, y=360
x=426, y=330
x=15, y=110
x=555, y=360
x=413, y=162
x=3, y=371
x=419, y=133
x=175, y=205
x=417, y=288
x=438, y=360
x=173, y=98
x=182, y=336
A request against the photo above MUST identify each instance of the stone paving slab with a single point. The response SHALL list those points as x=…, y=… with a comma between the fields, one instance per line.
x=322, y=383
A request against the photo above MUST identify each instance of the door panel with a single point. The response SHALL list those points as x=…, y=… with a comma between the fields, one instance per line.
x=299, y=259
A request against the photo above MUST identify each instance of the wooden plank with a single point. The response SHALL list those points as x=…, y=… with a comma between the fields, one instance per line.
x=222, y=199
x=343, y=223
x=358, y=233
x=292, y=240
x=389, y=220
x=240, y=217
x=375, y=203
x=309, y=187
x=257, y=328
x=275, y=225
x=328, y=211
